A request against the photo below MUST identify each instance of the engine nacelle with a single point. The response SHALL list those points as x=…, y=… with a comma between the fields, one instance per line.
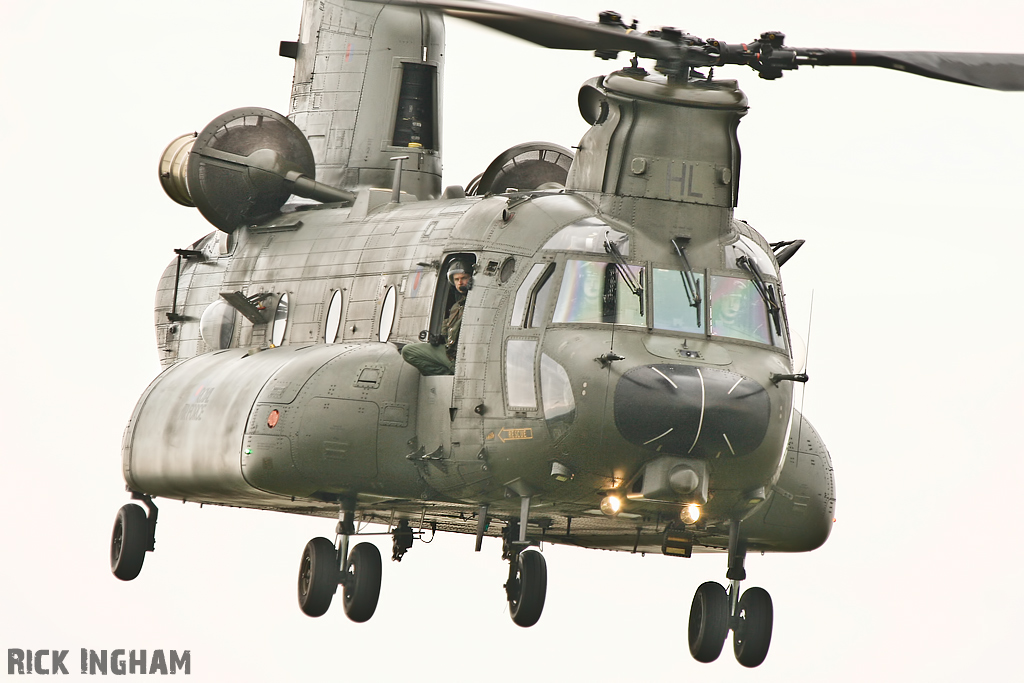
x=242, y=167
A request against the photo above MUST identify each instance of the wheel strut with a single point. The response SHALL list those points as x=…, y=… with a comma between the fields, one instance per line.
x=346, y=528
x=714, y=613
x=735, y=573
x=750, y=613
x=359, y=569
x=147, y=500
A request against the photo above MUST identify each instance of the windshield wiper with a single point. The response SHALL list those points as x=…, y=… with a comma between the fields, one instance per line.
x=636, y=287
x=766, y=291
x=690, y=284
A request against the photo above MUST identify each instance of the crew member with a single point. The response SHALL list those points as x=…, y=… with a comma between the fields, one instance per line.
x=437, y=357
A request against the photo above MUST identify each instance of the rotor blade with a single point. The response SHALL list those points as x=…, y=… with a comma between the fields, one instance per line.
x=549, y=30
x=985, y=70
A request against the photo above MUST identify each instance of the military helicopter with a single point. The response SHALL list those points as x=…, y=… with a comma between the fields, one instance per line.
x=624, y=372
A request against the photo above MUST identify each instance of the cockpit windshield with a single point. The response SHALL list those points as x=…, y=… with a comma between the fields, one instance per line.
x=595, y=292
x=613, y=292
x=672, y=308
x=738, y=311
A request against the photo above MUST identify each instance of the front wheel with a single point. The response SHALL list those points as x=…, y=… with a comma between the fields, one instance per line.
x=129, y=542
x=527, y=589
x=709, y=622
x=362, y=582
x=753, y=633
x=318, y=577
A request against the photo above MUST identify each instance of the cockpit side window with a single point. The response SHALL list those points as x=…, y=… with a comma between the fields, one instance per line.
x=519, y=373
x=541, y=299
x=532, y=296
x=595, y=292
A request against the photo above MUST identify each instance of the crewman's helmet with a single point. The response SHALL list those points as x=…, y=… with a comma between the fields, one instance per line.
x=456, y=268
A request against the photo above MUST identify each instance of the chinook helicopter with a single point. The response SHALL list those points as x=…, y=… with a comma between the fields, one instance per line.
x=624, y=374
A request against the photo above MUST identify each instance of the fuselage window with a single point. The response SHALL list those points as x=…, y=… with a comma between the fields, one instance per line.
x=217, y=325
x=333, y=318
x=556, y=390
x=591, y=235
x=598, y=292
x=737, y=310
x=533, y=296
x=508, y=267
x=280, y=323
x=522, y=388
x=387, y=315
x=673, y=309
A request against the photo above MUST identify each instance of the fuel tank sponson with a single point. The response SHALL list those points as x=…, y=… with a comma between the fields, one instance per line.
x=204, y=428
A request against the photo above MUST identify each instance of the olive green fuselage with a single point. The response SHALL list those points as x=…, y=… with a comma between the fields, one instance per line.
x=550, y=399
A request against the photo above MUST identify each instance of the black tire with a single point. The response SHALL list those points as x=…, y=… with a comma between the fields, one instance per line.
x=709, y=622
x=528, y=588
x=129, y=542
x=753, y=633
x=318, y=577
x=362, y=582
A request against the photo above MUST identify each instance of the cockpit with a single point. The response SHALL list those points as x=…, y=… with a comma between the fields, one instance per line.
x=597, y=282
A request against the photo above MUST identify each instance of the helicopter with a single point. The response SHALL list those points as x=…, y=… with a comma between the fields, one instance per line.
x=462, y=454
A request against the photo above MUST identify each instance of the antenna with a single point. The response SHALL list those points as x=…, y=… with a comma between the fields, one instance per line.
x=807, y=361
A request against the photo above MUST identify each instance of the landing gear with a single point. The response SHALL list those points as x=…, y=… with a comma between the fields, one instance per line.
x=320, y=575
x=753, y=633
x=527, y=583
x=526, y=587
x=361, y=581
x=133, y=536
x=709, y=622
x=714, y=612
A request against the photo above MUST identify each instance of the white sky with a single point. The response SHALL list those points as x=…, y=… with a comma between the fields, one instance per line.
x=907, y=190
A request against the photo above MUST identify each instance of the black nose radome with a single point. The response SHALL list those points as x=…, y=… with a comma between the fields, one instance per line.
x=687, y=410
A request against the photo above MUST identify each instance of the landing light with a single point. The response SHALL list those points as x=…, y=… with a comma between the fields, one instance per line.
x=611, y=504
x=690, y=513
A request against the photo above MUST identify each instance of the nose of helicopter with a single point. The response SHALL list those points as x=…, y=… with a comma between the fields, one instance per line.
x=690, y=410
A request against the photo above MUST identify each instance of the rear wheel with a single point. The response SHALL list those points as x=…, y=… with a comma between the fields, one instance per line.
x=753, y=633
x=129, y=542
x=362, y=582
x=527, y=589
x=318, y=577
x=709, y=622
